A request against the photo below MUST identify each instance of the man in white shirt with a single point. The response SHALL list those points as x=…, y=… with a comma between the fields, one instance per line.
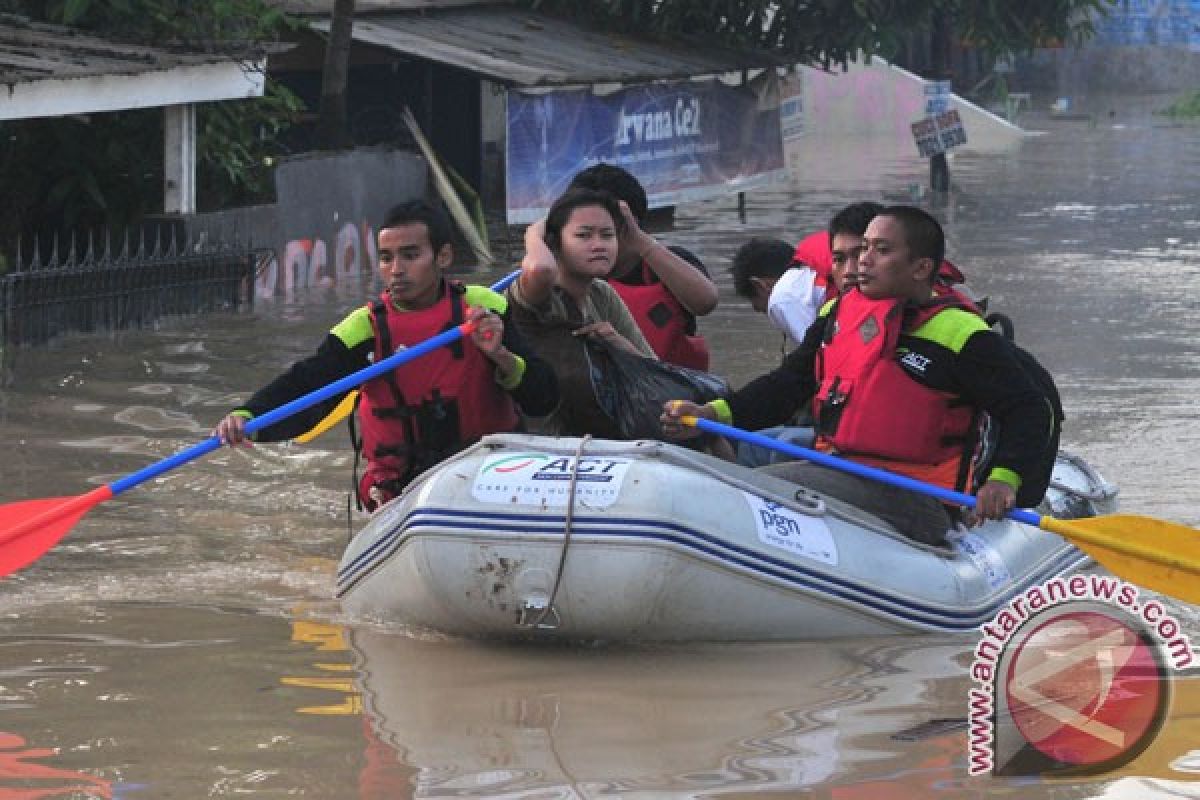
x=792, y=284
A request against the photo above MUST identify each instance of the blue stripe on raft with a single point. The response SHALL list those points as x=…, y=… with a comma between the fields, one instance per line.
x=857, y=594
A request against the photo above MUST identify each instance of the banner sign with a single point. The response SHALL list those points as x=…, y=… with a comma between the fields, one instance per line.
x=939, y=133
x=1149, y=23
x=685, y=141
x=937, y=97
x=791, y=107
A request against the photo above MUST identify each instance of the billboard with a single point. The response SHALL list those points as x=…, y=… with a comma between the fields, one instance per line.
x=684, y=140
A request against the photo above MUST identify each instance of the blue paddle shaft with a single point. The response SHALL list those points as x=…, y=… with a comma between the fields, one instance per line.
x=861, y=470
x=286, y=410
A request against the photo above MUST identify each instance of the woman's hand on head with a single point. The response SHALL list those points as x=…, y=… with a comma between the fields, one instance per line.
x=536, y=231
x=633, y=238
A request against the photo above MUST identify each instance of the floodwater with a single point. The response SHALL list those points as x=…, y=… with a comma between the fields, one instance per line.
x=182, y=642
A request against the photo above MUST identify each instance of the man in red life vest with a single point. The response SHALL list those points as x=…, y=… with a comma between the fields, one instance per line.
x=665, y=288
x=791, y=285
x=420, y=413
x=766, y=272
x=895, y=377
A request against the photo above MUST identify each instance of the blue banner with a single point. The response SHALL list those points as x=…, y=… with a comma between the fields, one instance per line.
x=684, y=141
x=1150, y=23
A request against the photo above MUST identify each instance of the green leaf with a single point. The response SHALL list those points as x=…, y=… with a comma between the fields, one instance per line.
x=74, y=10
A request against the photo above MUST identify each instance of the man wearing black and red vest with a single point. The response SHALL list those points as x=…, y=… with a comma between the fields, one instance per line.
x=895, y=374
x=665, y=288
x=417, y=414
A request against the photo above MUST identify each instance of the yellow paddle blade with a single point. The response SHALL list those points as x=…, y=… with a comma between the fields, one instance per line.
x=1160, y=555
x=339, y=413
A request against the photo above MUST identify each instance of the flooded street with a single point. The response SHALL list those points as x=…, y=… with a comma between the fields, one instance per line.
x=182, y=640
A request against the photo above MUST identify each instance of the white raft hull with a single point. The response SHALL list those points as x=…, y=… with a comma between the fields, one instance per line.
x=663, y=544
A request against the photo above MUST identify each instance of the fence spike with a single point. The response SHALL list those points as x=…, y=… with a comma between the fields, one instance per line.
x=71, y=255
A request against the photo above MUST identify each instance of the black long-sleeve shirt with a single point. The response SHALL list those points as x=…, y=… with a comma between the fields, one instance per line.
x=536, y=394
x=984, y=372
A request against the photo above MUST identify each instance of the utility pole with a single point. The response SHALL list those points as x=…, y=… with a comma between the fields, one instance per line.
x=939, y=52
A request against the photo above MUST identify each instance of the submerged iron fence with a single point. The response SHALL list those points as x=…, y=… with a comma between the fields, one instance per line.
x=91, y=286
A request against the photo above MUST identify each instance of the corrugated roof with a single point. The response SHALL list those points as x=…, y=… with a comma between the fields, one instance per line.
x=524, y=48
x=33, y=51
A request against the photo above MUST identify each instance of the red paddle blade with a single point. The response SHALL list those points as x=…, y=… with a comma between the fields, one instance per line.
x=29, y=528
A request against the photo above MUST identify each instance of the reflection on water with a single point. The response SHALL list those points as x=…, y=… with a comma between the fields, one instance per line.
x=878, y=718
x=334, y=677
x=150, y=649
x=497, y=721
x=161, y=701
x=25, y=775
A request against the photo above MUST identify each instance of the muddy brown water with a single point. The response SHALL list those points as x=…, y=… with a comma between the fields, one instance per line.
x=182, y=642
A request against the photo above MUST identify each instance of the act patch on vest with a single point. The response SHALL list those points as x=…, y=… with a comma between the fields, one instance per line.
x=801, y=534
x=868, y=330
x=541, y=479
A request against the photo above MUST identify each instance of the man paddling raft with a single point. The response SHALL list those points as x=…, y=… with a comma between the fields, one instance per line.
x=415, y=416
x=895, y=374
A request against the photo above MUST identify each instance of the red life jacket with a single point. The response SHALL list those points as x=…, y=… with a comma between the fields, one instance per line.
x=815, y=253
x=869, y=408
x=663, y=321
x=417, y=415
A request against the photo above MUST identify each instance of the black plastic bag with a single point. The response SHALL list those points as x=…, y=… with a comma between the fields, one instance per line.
x=631, y=389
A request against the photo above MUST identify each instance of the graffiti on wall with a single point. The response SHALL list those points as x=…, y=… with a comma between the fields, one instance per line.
x=307, y=263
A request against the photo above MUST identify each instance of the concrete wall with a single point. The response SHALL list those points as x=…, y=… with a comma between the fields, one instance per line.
x=1139, y=46
x=1110, y=70
x=321, y=231
x=837, y=124
x=877, y=99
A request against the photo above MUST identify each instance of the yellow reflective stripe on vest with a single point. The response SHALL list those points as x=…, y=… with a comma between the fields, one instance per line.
x=484, y=297
x=355, y=328
x=951, y=328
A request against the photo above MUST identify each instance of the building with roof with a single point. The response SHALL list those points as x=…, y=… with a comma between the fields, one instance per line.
x=472, y=71
x=54, y=71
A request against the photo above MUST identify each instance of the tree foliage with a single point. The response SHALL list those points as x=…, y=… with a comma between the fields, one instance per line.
x=106, y=169
x=826, y=32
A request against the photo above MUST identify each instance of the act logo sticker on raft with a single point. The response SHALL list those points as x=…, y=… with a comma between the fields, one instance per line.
x=540, y=479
